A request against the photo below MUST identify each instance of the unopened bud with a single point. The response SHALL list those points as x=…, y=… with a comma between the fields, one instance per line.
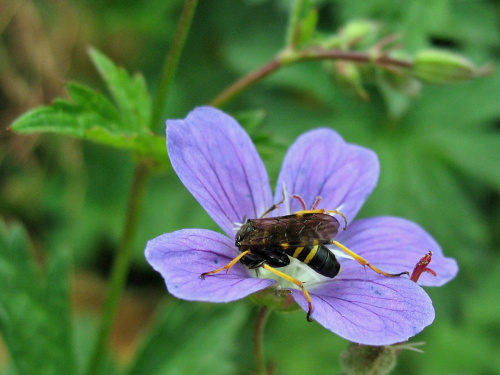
x=442, y=67
x=348, y=77
x=359, y=32
x=354, y=33
x=362, y=360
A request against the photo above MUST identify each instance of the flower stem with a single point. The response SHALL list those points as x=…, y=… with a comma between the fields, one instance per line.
x=172, y=60
x=120, y=267
x=318, y=53
x=236, y=88
x=258, y=343
x=288, y=57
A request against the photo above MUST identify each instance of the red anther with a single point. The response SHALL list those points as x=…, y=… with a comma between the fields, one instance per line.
x=421, y=266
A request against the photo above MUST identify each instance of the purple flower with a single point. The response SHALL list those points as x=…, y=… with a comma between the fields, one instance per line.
x=219, y=165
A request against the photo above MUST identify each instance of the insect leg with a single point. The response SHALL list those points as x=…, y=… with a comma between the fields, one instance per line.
x=274, y=206
x=364, y=262
x=227, y=266
x=296, y=282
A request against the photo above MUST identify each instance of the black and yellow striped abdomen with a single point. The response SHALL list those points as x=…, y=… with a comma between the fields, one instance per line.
x=318, y=257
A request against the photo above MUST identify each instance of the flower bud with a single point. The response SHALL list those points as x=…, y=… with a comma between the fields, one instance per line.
x=359, y=32
x=348, y=77
x=362, y=359
x=442, y=67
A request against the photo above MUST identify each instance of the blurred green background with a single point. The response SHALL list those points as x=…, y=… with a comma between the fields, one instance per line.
x=439, y=153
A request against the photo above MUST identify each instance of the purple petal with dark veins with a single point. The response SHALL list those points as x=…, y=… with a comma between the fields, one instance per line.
x=370, y=309
x=218, y=163
x=396, y=245
x=182, y=256
x=321, y=163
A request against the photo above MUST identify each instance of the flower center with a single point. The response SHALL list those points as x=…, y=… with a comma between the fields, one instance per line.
x=297, y=270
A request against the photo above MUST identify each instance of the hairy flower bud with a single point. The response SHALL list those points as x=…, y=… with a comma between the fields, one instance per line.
x=348, y=77
x=359, y=32
x=362, y=359
x=442, y=67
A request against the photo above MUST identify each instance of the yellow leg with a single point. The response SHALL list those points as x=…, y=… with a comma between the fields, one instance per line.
x=322, y=211
x=296, y=282
x=226, y=267
x=364, y=262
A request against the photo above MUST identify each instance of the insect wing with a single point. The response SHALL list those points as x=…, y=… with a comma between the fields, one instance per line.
x=260, y=233
x=312, y=229
x=295, y=230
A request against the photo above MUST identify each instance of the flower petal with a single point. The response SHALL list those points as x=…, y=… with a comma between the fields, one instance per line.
x=182, y=256
x=396, y=245
x=370, y=309
x=320, y=163
x=218, y=163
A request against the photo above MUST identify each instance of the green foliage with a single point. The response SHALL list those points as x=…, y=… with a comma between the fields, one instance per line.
x=438, y=147
x=90, y=115
x=35, y=317
x=213, y=340
x=130, y=93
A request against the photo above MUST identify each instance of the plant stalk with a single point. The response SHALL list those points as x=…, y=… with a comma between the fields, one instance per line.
x=120, y=267
x=260, y=360
x=172, y=60
x=289, y=57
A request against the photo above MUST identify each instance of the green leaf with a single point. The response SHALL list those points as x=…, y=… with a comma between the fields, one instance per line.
x=90, y=115
x=129, y=93
x=89, y=109
x=34, y=310
x=192, y=338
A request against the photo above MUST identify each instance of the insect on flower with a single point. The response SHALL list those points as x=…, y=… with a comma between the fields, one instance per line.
x=269, y=242
x=218, y=163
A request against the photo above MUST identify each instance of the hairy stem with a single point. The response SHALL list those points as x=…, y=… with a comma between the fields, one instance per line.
x=258, y=342
x=236, y=88
x=172, y=60
x=120, y=267
x=307, y=54
x=318, y=53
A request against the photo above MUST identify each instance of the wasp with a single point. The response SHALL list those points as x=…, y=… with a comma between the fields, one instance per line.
x=269, y=242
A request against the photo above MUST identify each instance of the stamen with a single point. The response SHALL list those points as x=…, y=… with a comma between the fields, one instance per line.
x=316, y=203
x=421, y=267
x=301, y=201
